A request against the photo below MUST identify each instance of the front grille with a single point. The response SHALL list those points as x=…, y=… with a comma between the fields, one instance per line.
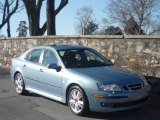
x=125, y=87
x=136, y=86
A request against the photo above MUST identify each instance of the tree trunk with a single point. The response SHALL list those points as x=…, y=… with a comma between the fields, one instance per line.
x=33, y=12
x=8, y=23
x=33, y=21
x=51, y=17
x=8, y=29
x=33, y=28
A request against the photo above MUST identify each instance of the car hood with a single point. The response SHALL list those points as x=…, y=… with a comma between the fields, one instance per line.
x=107, y=75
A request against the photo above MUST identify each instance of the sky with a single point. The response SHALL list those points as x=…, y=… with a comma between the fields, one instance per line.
x=65, y=20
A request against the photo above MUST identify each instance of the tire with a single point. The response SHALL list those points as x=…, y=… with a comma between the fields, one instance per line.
x=77, y=101
x=19, y=83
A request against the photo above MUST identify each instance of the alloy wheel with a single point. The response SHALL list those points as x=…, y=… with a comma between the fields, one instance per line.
x=19, y=84
x=76, y=101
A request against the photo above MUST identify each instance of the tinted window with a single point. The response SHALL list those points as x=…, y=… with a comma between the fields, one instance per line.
x=49, y=58
x=34, y=55
x=82, y=58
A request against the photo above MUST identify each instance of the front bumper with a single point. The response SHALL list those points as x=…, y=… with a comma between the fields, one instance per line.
x=119, y=101
x=124, y=104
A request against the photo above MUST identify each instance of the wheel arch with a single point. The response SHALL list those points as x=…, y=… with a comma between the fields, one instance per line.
x=17, y=70
x=71, y=85
x=15, y=74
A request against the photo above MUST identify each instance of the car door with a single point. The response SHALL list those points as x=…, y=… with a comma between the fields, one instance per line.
x=31, y=68
x=50, y=80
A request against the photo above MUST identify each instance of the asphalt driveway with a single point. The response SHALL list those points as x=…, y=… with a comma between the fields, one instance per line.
x=35, y=107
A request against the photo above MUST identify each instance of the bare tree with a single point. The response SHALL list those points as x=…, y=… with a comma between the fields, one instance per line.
x=154, y=26
x=140, y=10
x=155, y=29
x=33, y=8
x=8, y=8
x=84, y=17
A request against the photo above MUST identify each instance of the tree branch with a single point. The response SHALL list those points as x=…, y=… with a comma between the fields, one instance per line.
x=11, y=2
x=10, y=14
x=43, y=29
x=4, y=11
x=154, y=31
x=39, y=5
x=61, y=6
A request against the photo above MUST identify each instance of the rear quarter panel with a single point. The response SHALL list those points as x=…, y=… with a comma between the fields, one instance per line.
x=16, y=66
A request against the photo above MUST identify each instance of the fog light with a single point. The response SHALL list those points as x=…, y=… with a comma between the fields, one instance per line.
x=111, y=105
x=98, y=96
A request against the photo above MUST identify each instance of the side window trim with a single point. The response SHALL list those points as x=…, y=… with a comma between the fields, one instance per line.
x=53, y=53
x=41, y=56
x=31, y=52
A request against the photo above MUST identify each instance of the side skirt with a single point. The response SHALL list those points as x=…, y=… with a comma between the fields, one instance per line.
x=45, y=94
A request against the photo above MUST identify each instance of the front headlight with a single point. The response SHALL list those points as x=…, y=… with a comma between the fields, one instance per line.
x=111, y=88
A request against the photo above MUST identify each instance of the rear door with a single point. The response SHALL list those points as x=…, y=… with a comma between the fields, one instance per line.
x=31, y=68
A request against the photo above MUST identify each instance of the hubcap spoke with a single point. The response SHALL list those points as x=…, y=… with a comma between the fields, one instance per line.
x=74, y=95
x=80, y=103
x=77, y=107
x=79, y=96
x=16, y=83
x=20, y=87
x=72, y=103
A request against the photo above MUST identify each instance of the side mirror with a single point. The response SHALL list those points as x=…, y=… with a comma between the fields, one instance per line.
x=54, y=66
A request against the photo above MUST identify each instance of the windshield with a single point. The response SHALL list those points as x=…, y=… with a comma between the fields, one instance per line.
x=82, y=58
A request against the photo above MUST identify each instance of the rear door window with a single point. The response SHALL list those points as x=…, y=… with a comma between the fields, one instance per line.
x=34, y=55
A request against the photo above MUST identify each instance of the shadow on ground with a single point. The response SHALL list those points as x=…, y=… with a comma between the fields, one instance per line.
x=155, y=86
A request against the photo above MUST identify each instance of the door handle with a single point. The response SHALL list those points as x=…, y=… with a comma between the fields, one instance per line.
x=41, y=70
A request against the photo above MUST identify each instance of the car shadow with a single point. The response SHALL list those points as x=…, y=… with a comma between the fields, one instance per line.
x=139, y=114
x=155, y=86
x=30, y=94
x=153, y=80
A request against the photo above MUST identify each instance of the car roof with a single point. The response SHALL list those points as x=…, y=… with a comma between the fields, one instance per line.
x=67, y=47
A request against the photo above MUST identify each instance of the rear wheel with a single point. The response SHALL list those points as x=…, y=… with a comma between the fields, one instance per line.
x=77, y=101
x=19, y=83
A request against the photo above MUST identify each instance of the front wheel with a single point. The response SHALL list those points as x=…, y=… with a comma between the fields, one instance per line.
x=19, y=83
x=77, y=101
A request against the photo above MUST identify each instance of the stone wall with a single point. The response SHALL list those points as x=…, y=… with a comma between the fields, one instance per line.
x=138, y=53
